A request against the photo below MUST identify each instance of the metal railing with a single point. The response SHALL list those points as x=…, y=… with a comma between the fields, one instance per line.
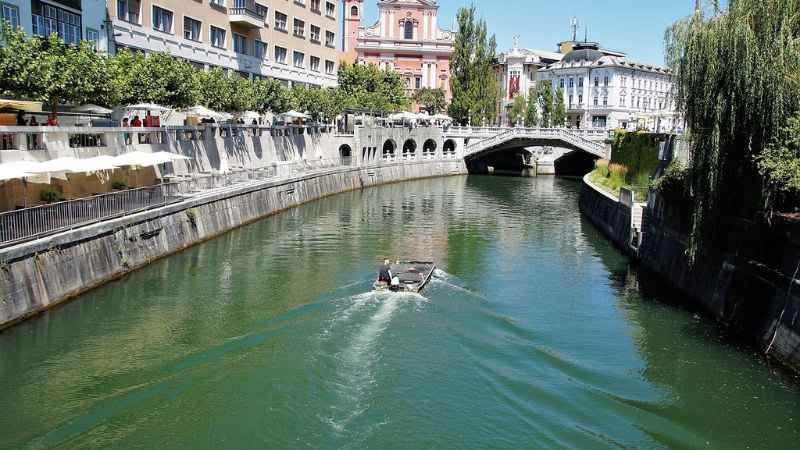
x=29, y=223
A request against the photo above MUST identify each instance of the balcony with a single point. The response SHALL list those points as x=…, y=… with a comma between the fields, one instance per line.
x=247, y=13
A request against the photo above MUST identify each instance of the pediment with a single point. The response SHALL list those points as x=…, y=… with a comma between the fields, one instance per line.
x=415, y=3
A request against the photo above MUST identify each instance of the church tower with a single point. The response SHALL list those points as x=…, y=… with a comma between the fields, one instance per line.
x=353, y=11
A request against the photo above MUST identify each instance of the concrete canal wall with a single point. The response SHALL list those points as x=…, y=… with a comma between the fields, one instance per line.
x=303, y=166
x=758, y=301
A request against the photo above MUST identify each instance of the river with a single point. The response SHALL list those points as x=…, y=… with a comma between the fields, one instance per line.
x=535, y=333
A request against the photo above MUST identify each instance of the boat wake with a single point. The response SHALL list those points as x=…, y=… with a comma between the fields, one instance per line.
x=362, y=319
x=445, y=279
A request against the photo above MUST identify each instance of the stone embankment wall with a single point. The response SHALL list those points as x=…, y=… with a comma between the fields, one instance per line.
x=759, y=301
x=40, y=274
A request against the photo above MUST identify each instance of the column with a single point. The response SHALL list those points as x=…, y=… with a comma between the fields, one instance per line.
x=382, y=28
x=425, y=23
x=434, y=26
x=424, y=74
x=434, y=76
x=390, y=24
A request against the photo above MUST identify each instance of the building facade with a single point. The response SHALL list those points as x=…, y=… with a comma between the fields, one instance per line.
x=73, y=20
x=294, y=41
x=406, y=38
x=603, y=89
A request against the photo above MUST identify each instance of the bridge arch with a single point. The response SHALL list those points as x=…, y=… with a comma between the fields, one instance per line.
x=389, y=149
x=574, y=163
x=410, y=149
x=429, y=149
x=449, y=148
x=345, y=154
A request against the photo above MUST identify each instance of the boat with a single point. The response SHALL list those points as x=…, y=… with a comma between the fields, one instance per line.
x=413, y=276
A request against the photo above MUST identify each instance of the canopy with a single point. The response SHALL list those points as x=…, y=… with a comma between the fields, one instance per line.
x=91, y=109
x=147, y=107
x=68, y=164
x=404, y=116
x=21, y=105
x=202, y=111
x=146, y=159
x=11, y=173
x=441, y=117
x=98, y=163
x=250, y=115
x=295, y=115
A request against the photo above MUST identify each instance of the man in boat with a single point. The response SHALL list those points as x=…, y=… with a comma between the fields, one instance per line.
x=385, y=273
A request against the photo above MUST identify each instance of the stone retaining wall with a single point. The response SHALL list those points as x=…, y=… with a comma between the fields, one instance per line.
x=38, y=275
x=757, y=301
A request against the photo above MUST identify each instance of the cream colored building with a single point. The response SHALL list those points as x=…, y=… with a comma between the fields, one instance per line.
x=290, y=40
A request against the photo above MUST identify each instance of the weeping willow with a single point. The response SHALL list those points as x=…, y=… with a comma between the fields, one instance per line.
x=736, y=79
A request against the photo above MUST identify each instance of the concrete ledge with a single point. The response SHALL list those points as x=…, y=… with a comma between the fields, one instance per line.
x=37, y=275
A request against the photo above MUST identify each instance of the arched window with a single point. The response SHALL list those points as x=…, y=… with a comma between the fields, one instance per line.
x=409, y=30
x=354, y=11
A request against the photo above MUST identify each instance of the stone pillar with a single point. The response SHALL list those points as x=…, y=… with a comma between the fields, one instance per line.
x=434, y=76
x=425, y=22
x=425, y=71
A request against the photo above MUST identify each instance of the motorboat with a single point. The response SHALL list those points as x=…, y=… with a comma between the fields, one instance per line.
x=409, y=276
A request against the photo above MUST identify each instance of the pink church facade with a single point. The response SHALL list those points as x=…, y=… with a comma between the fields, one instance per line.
x=406, y=38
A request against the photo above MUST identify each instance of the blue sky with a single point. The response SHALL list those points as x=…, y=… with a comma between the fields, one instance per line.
x=633, y=26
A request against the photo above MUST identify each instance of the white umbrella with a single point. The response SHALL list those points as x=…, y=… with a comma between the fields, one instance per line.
x=91, y=109
x=147, y=107
x=11, y=173
x=441, y=117
x=68, y=164
x=165, y=157
x=98, y=163
x=250, y=115
x=143, y=159
x=295, y=115
x=202, y=111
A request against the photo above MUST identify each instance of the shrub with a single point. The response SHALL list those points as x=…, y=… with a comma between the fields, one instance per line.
x=673, y=185
x=119, y=185
x=50, y=195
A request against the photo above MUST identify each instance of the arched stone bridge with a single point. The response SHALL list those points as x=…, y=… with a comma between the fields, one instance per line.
x=535, y=137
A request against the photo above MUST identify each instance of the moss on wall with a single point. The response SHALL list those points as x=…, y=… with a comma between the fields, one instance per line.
x=638, y=152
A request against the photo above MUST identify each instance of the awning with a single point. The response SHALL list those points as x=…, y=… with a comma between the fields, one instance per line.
x=202, y=111
x=68, y=164
x=91, y=109
x=143, y=159
x=21, y=105
x=147, y=107
x=10, y=173
x=295, y=115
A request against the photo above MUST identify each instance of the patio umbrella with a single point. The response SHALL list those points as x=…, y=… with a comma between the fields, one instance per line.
x=11, y=173
x=21, y=105
x=202, y=111
x=92, y=109
x=148, y=107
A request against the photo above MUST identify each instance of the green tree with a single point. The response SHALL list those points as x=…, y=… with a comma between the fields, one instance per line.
x=544, y=96
x=532, y=110
x=431, y=100
x=559, y=109
x=271, y=95
x=473, y=82
x=736, y=79
x=367, y=87
x=518, y=109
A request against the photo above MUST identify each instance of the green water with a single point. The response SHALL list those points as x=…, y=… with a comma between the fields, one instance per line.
x=536, y=333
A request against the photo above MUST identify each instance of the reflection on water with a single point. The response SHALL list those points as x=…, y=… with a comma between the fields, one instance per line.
x=534, y=333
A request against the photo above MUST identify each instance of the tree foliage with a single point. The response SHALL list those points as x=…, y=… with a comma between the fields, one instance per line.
x=779, y=165
x=532, y=110
x=559, y=109
x=736, y=79
x=431, y=100
x=544, y=96
x=518, y=109
x=473, y=82
x=368, y=87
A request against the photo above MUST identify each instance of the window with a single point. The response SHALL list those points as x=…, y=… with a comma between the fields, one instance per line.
x=239, y=44
x=128, y=10
x=315, y=33
x=280, y=55
x=561, y=83
x=280, y=21
x=417, y=82
x=605, y=101
x=572, y=82
x=220, y=3
x=217, y=37
x=93, y=35
x=354, y=11
x=622, y=101
x=596, y=81
x=299, y=59
x=314, y=64
x=580, y=82
x=329, y=67
x=605, y=80
x=408, y=34
x=330, y=9
x=10, y=14
x=580, y=99
x=570, y=100
x=330, y=37
x=191, y=29
x=162, y=20
x=595, y=101
x=48, y=19
x=260, y=50
x=315, y=6
x=299, y=28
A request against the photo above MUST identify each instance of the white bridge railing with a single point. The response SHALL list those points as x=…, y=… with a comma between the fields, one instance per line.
x=595, y=147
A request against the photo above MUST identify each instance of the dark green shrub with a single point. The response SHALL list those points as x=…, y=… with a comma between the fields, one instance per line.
x=119, y=185
x=50, y=195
